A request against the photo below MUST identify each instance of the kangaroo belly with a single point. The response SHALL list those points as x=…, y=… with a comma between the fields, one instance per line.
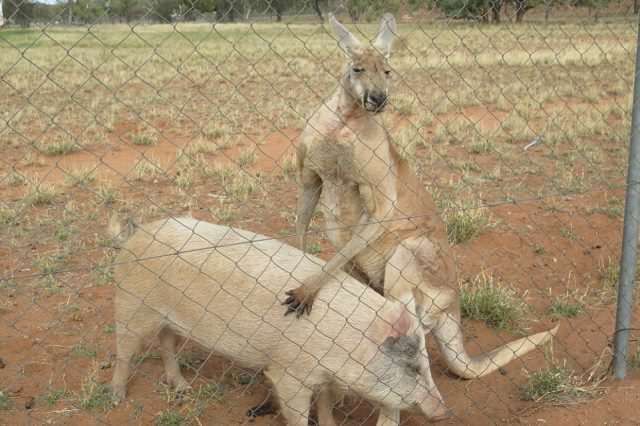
x=342, y=208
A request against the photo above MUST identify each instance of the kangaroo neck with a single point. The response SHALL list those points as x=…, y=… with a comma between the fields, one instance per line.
x=349, y=107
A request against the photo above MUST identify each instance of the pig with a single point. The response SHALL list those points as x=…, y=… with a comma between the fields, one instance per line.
x=223, y=288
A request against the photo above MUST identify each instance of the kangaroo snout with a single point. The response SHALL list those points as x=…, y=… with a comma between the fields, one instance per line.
x=375, y=100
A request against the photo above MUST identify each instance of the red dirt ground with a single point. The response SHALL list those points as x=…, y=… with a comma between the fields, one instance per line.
x=41, y=325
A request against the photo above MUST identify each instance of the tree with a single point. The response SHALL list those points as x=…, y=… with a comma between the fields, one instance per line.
x=594, y=6
x=548, y=4
x=467, y=9
x=370, y=9
x=87, y=11
x=496, y=8
x=316, y=7
x=522, y=6
x=127, y=9
x=18, y=11
x=225, y=10
x=1, y=15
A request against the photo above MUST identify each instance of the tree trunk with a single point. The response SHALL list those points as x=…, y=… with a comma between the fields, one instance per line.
x=496, y=7
x=316, y=7
x=1, y=15
x=635, y=7
x=521, y=9
x=547, y=10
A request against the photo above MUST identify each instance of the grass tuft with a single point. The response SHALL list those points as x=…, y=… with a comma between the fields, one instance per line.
x=246, y=157
x=54, y=395
x=288, y=166
x=9, y=215
x=40, y=194
x=609, y=273
x=106, y=195
x=562, y=307
x=559, y=385
x=485, y=299
x=547, y=384
x=144, y=139
x=59, y=147
x=170, y=418
x=82, y=350
x=5, y=402
x=80, y=177
x=15, y=179
x=95, y=395
x=145, y=170
x=464, y=218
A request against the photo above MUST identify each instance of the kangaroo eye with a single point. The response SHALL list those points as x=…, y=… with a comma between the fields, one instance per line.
x=358, y=70
x=387, y=72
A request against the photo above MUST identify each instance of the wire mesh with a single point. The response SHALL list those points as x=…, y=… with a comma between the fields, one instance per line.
x=170, y=113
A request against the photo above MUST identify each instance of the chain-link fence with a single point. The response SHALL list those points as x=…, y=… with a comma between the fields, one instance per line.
x=471, y=184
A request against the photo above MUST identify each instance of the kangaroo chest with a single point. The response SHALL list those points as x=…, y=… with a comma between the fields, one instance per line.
x=340, y=201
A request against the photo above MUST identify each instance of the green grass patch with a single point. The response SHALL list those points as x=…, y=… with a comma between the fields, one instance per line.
x=564, y=308
x=95, y=395
x=485, y=299
x=144, y=139
x=59, y=147
x=53, y=396
x=465, y=218
x=558, y=385
x=5, y=402
x=40, y=194
x=170, y=418
x=314, y=248
x=83, y=350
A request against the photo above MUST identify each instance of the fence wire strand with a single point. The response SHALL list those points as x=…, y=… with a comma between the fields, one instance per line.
x=518, y=132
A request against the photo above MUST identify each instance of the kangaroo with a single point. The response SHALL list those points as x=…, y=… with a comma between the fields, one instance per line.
x=223, y=287
x=377, y=213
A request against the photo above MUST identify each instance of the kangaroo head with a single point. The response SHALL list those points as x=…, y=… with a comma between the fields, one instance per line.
x=367, y=75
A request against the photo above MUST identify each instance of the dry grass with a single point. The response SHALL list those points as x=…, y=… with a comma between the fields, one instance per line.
x=463, y=214
x=485, y=298
x=461, y=121
x=39, y=194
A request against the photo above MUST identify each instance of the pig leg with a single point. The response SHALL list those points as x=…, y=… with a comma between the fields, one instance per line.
x=324, y=405
x=171, y=368
x=128, y=344
x=293, y=396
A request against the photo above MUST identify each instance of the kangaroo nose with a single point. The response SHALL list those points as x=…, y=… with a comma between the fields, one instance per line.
x=378, y=98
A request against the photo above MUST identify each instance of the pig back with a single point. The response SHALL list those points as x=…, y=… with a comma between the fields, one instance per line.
x=223, y=288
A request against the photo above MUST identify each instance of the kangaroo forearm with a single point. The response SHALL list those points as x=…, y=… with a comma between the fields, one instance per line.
x=307, y=201
x=359, y=241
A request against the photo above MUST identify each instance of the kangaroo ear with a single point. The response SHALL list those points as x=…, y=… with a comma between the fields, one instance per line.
x=386, y=34
x=347, y=41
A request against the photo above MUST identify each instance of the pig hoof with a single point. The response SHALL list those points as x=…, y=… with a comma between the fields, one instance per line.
x=118, y=394
x=182, y=386
x=263, y=409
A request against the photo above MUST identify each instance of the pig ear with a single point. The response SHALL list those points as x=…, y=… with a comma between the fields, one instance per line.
x=402, y=325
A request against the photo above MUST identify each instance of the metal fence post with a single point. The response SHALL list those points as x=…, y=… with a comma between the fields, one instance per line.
x=630, y=234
